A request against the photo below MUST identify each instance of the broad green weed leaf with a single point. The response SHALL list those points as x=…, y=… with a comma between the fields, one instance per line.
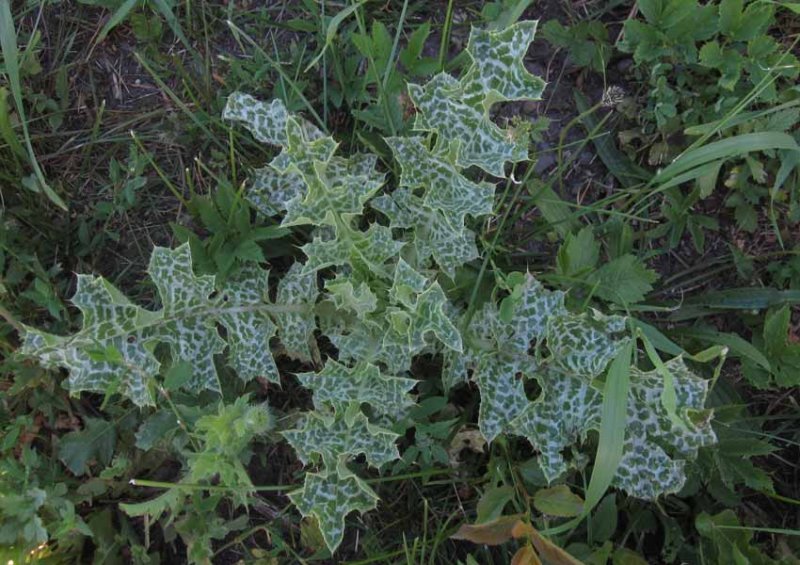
x=96, y=441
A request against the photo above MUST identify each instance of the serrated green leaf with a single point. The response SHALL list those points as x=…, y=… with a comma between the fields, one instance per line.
x=624, y=280
x=579, y=253
x=96, y=441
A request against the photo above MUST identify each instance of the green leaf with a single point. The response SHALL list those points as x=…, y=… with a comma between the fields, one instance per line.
x=624, y=280
x=96, y=441
x=741, y=24
x=558, y=501
x=155, y=428
x=178, y=375
x=492, y=503
x=578, y=253
x=727, y=61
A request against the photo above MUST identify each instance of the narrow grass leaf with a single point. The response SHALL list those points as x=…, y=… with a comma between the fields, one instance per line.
x=331, y=31
x=8, y=43
x=612, y=426
x=725, y=149
x=116, y=18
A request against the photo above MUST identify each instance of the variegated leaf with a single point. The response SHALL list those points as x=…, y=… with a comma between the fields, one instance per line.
x=367, y=250
x=445, y=188
x=248, y=326
x=297, y=292
x=340, y=436
x=584, y=344
x=329, y=497
x=498, y=72
x=434, y=234
x=358, y=299
x=502, y=389
x=189, y=323
x=110, y=353
x=340, y=387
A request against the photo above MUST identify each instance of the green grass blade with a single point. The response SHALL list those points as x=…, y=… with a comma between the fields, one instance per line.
x=116, y=18
x=172, y=21
x=332, y=30
x=8, y=43
x=6, y=130
x=612, y=426
x=725, y=149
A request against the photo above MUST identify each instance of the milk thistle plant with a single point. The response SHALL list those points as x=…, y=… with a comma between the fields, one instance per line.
x=371, y=283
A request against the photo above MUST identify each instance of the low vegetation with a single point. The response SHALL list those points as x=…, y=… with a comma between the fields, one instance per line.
x=399, y=283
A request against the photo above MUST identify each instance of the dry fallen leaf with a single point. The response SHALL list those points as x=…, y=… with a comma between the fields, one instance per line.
x=526, y=556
